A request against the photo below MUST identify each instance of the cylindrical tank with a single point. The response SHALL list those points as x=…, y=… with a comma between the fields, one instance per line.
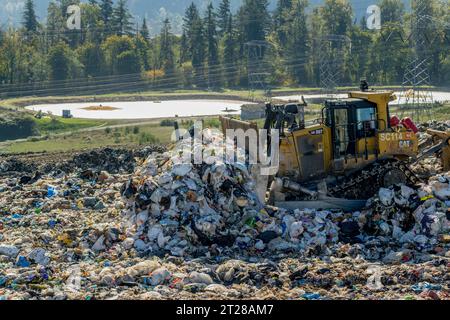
x=409, y=124
x=395, y=121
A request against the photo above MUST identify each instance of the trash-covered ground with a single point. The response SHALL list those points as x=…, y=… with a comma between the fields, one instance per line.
x=435, y=125
x=120, y=224
x=112, y=160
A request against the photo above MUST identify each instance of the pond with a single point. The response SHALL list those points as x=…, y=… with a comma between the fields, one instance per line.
x=143, y=109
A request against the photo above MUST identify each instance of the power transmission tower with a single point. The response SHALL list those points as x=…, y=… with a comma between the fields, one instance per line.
x=416, y=97
x=257, y=68
x=332, y=50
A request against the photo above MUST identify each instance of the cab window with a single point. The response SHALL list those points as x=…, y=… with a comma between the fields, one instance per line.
x=366, y=119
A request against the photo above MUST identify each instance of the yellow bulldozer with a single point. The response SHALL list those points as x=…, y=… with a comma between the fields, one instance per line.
x=341, y=159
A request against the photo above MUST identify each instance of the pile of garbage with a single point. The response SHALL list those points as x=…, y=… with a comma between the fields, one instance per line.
x=117, y=160
x=412, y=219
x=184, y=209
x=14, y=165
x=174, y=229
x=177, y=206
x=108, y=159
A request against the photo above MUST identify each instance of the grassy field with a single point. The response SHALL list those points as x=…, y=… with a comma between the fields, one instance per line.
x=443, y=113
x=48, y=125
x=129, y=136
x=158, y=132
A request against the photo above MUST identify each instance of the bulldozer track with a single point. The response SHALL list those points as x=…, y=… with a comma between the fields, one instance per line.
x=363, y=184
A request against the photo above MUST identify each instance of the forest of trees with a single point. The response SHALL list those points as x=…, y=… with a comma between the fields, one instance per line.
x=114, y=52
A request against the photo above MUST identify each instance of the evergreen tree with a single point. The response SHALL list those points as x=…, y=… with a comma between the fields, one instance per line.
x=229, y=53
x=73, y=37
x=281, y=19
x=387, y=60
x=315, y=33
x=55, y=24
x=166, y=54
x=106, y=11
x=184, y=55
x=121, y=21
x=298, y=41
x=254, y=20
x=337, y=17
x=224, y=14
x=358, y=67
x=389, y=68
x=142, y=47
x=189, y=20
x=30, y=22
x=392, y=11
x=193, y=28
x=91, y=22
x=212, y=47
x=145, y=33
x=2, y=37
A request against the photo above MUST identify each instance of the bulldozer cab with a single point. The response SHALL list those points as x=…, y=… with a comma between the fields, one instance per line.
x=350, y=121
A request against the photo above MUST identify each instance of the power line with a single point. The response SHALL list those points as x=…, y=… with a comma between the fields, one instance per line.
x=170, y=80
x=417, y=75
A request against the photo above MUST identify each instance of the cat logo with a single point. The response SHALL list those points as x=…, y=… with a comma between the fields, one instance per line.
x=404, y=144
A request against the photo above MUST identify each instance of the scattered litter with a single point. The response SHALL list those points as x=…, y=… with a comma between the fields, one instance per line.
x=142, y=224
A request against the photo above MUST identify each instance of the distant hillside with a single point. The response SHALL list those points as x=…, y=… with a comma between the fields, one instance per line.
x=154, y=10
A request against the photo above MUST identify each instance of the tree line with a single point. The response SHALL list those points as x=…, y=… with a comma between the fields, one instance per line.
x=112, y=52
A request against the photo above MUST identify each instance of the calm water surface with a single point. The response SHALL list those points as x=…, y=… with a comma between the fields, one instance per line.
x=145, y=109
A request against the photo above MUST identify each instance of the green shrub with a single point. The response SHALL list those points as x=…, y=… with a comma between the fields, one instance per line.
x=146, y=137
x=17, y=127
x=212, y=123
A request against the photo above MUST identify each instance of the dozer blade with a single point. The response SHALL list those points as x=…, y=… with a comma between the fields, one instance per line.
x=324, y=203
x=443, y=147
x=318, y=200
x=230, y=123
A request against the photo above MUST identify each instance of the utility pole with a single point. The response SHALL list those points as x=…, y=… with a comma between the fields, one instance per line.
x=256, y=68
x=416, y=98
x=332, y=50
